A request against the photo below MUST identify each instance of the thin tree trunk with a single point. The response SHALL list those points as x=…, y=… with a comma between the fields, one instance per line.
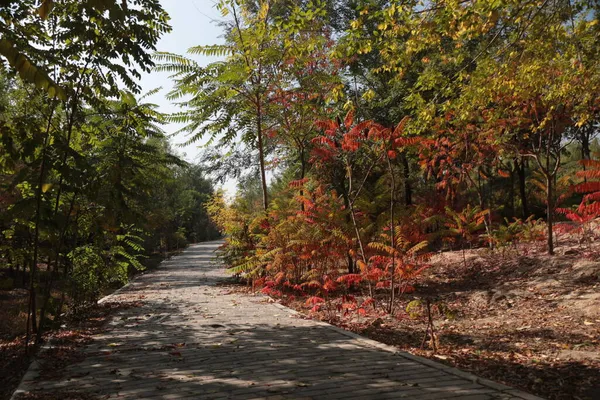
x=586, y=153
x=550, y=182
x=511, y=199
x=550, y=212
x=521, y=172
x=302, y=174
x=392, y=235
x=70, y=125
x=53, y=274
x=345, y=196
x=352, y=216
x=302, y=165
x=36, y=236
x=357, y=233
x=11, y=269
x=487, y=220
x=261, y=153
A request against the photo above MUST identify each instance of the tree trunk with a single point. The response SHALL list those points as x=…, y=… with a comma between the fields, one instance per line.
x=521, y=172
x=392, y=236
x=302, y=164
x=487, y=220
x=550, y=212
x=511, y=199
x=351, y=265
x=261, y=154
x=36, y=235
x=586, y=152
x=302, y=174
x=53, y=274
x=24, y=275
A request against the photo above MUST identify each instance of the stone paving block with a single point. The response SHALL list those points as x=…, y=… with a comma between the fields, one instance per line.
x=191, y=338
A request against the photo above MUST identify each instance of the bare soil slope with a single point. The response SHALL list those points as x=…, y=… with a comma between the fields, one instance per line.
x=519, y=317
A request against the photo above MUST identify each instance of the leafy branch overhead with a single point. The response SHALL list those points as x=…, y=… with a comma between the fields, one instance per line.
x=39, y=37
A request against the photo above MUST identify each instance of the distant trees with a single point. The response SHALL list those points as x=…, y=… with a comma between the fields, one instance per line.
x=264, y=86
x=89, y=184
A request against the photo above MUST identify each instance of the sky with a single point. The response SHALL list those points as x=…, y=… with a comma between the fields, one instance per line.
x=194, y=23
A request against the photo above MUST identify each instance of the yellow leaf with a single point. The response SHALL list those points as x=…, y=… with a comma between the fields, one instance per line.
x=46, y=187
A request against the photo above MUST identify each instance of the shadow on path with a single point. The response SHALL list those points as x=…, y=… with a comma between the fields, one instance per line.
x=191, y=339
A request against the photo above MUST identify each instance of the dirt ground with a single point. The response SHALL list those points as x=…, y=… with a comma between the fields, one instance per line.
x=522, y=318
x=66, y=350
x=14, y=359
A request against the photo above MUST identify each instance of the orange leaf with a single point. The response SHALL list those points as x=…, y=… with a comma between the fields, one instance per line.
x=361, y=265
x=349, y=120
x=400, y=128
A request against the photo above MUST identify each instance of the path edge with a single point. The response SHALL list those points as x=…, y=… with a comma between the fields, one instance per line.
x=33, y=371
x=422, y=360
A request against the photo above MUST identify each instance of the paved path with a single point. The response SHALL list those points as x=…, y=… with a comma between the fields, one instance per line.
x=193, y=339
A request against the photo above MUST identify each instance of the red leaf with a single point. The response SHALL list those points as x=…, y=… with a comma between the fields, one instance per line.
x=349, y=120
x=298, y=183
x=503, y=174
x=314, y=300
x=359, y=128
x=400, y=128
x=588, y=187
x=324, y=140
x=406, y=141
x=350, y=279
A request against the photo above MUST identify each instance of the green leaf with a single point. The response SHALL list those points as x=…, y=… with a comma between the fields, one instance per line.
x=29, y=72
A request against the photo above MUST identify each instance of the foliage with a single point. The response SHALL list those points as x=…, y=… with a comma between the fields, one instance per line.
x=389, y=128
x=398, y=262
x=584, y=216
x=464, y=225
x=90, y=185
x=444, y=105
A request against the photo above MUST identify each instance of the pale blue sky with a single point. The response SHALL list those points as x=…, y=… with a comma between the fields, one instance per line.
x=194, y=23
